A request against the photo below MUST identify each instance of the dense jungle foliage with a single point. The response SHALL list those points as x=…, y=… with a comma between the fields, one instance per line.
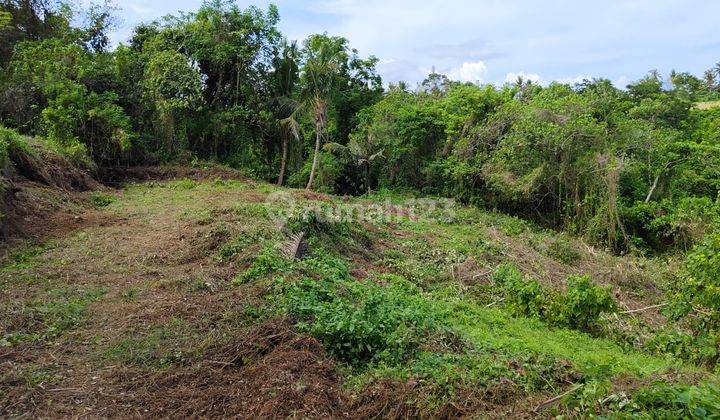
x=634, y=169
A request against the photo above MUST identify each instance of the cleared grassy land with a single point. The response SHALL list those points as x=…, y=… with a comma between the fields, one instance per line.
x=181, y=301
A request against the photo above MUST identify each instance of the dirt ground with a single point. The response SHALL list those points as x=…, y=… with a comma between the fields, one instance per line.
x=134, y=314
x=167, y=335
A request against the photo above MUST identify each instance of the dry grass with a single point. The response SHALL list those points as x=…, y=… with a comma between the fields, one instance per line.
x=707, y=105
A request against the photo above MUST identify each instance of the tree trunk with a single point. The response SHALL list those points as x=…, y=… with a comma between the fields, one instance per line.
x=367, y=177
x=652, y=188
x=319, y=127
x=315, y=157
x=283, y=159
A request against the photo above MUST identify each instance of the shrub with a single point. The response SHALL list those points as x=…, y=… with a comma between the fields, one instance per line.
x=327, y=174
x=683, y=345
x=697, y=294
x=10, y=139
x=583, y=303
x=525, y=294
x=580, y=307
x=662, y=400
x=360, y=322
x=563, y=251
x=101, y=200
x=267, y=262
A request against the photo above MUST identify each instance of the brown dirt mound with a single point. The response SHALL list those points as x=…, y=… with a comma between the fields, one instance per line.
x=119, y=175
x=269, y=372
x=47, y=168
x=44, y=192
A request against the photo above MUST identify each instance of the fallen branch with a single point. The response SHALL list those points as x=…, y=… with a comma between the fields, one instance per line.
x=495, y=302
x=553, y=400
x=483, y=274
x=647, y=308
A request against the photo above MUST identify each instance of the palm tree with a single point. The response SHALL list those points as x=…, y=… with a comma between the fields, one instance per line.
x=286, y=73
x=288, y=126
x=710, y=80
x=324, y=58
x=363, y=150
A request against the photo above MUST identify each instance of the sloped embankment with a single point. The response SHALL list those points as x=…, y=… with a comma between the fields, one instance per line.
x=41, y=190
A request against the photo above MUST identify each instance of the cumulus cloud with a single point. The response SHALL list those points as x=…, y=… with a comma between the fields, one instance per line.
x=469, y=71
x=621, y=82
x=551, y=38
x=573, y=80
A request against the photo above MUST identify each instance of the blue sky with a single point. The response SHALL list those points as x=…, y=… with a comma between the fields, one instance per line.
x=491, y=41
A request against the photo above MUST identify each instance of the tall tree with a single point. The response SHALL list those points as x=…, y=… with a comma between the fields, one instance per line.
x=285, y=107
x=324, y=60
x=710, y=80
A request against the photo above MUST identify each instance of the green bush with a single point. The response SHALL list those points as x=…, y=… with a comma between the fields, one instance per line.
x=563, y=251
x=269, y=261
x=10, y=139
x=583, y=303
x=683, y=345
x=101, y=200
x=524, y=294
x=665, y=401
x=580, y=307
x=327, y=174
x=697, y=295
x=360, y=322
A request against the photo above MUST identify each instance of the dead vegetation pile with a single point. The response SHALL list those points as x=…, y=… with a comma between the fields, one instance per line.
x=268, y=372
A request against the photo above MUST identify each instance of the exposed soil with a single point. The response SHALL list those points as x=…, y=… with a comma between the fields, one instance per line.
x=268, y=372
x=115, y=176
x=43, y=192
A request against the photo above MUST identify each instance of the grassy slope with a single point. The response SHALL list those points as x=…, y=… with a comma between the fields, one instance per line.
x=166, y=259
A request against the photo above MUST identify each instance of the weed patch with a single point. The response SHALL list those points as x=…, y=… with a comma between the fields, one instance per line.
x=159, y=348
x=100, y=200
x=44, y=319
x=580, y=307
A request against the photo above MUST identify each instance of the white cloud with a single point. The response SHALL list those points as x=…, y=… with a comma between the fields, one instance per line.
x=621, y=82
x=551, y=38
x=469, y=71
x=140, y=10
x=572, y=81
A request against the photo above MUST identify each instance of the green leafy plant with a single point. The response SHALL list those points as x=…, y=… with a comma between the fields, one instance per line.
x=580, y=307
x=100, y=200
x=359, y=322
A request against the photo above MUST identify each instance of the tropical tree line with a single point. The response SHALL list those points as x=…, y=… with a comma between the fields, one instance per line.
x=632, y=168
